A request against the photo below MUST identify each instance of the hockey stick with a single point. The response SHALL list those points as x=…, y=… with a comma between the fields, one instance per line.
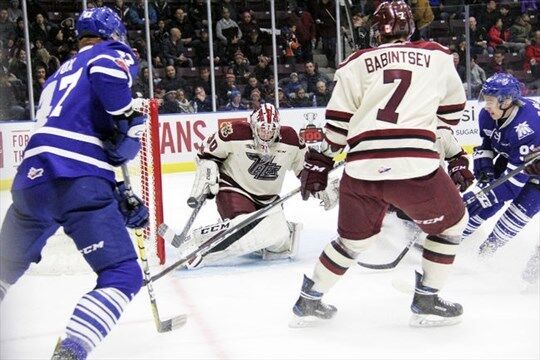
x=488, y=188
x=177, y=239
x=217, y=239
x=161, y=326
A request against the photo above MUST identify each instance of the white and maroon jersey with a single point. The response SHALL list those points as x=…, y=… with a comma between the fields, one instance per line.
x=447, y=145
x=386, y=104
x=244, y=168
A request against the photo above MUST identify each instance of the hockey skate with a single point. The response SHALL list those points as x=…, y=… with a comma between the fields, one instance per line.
x=488, y=248
x=309, y=310
x=68, y=349
x=429, y=310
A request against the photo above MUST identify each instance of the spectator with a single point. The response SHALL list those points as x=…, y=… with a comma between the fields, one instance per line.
x=170, y=105
x=532, y=56
x=459, y=68
x=17, y=65
x=489, y=16
x=201, y=48
x=253, y=84
x=497, y=36
x=10, y=108
x=159, y=36
x=247, y=23
x=529, y=6
x=201, y=102
x=203, y=80
x=19, y=30
x=198, y=14
x=262, y=70
x=478, y=77
x=497, y=64
x=66, y=37
x=255, y=99
x=451, y=9
x=305, y=32
x=478, y=38
x=228, y=85
x=49, y=61
x=361, y=30
x=42, y=30
x=291, y=47
x=181, y=21
x=301, y=98
x=122, y=10
x=40, y=76
x=505, y=16
x=136, y=15
x=230, y=6
x=141, y=87
x=520, y=31
x=227, y=30
x=235, y=102
x=171, y=81
x=163, y=9
x=423, y=17
x=268, y=87
x=240, y=67
x=253, y=46
x=293, y=85
x=321, y=95
x=284, y=102
x=185, y=105
x=312, y=76
x=14, y=12
x=326, y=28
x=174, y=50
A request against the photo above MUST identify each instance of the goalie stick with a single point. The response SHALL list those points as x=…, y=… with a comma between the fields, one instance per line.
x=165, y=325
x=486, y=189
x=217, y=239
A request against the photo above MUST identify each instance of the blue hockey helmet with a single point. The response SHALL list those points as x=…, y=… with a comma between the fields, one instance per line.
x=102, y=22
x=503, y=86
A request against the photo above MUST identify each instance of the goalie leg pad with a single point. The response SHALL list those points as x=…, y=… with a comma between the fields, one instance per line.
x=289, y=249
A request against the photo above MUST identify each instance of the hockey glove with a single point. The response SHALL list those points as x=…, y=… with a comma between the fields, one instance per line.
x=534, y=168
x=206, y=179
x=135, y=213
x=458, y=169
x=483, y=168
x=314, y=176
x=125, y=145
x=477, y=202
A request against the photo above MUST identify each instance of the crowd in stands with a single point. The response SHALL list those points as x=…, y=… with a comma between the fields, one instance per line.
x=504, y=37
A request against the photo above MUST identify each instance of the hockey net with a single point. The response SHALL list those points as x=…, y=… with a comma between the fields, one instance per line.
x=60, y=256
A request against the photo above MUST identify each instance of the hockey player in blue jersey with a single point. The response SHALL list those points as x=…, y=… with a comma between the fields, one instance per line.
x=510, y=130
x=89, y=124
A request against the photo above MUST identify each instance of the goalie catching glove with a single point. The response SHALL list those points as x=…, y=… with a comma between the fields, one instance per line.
x=206, y=179
x=314, y=176
x=131, y=206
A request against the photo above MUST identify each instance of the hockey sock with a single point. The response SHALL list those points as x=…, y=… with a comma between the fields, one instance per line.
x=473, y=224
x=437, y=258
x=508, y=226
x=94, y=317
x=334, y=261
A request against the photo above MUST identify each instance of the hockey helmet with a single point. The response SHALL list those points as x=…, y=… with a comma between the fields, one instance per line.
x=102, y=22
x=265, y=125
x=392, y=19
x=503, y=86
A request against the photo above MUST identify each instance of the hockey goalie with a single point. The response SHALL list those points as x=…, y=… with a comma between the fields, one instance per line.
x=243, y=165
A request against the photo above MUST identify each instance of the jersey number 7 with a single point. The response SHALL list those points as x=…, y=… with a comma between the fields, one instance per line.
x=389, y=113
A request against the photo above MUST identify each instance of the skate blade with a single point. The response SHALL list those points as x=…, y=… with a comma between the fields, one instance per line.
x=426, y=320
x=305, y=321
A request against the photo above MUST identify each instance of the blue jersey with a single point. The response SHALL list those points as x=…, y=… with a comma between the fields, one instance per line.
x=75, y=115
x=513, y=139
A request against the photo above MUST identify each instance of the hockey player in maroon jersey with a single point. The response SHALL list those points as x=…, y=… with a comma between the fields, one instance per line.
x=244, y=166
x=385, y=106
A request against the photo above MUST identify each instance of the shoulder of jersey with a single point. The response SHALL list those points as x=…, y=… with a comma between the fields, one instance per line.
x=289, y=136
x=235, y=131
x=113, y=45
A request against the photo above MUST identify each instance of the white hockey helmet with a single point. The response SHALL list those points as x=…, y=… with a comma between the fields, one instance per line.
x=265, y=125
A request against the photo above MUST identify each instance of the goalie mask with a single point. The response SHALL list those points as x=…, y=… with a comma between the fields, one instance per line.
x=265, y=125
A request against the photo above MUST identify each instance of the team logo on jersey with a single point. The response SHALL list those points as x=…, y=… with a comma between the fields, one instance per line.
x=34, y=173
x=226, y=129
x=523, y=129
x=263, y=167
x=121, y=64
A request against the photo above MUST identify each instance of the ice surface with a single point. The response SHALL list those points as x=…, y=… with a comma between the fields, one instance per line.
x=241, y=310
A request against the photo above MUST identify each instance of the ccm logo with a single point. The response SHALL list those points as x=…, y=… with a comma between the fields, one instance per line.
x=429, y=221
x=93, y=247
x=316, y=168
x=214, y=228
